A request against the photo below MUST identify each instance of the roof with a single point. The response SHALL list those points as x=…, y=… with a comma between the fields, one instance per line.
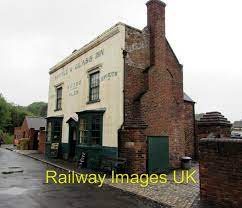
x=237, y=124
x=73, y=117
x=97, y=41
x=35, y=122
x=187, y=98
x=214, y=119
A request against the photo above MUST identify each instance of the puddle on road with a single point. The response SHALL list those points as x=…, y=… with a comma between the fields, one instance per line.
x=13, y=167
x=11, y=170
x=13, y=191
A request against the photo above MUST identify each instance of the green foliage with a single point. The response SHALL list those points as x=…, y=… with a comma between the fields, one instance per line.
x=12, y=115
x=5, y=115
x=38, y=108
x=7, y=138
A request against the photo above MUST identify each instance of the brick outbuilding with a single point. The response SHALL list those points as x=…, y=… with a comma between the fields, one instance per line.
x=30, y=129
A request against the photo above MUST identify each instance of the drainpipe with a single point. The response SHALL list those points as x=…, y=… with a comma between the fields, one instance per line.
x=124, y=89
x=122, y=126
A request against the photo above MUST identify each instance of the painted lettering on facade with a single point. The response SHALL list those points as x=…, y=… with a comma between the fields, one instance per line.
x=68, y=69
x=108, y=76
x=73, y=88
x=137, y=46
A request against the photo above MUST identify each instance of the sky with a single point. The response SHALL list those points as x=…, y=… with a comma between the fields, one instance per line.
x=205, y=35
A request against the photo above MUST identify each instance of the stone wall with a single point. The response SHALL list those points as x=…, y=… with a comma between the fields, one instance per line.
x=220, y=172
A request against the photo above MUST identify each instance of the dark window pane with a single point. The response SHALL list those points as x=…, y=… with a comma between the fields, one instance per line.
x=55, y=131
x=96, y=130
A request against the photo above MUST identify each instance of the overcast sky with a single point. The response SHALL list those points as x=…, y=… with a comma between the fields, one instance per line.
x=205, y=35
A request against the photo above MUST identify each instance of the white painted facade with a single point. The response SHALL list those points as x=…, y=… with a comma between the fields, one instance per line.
x=103, y=54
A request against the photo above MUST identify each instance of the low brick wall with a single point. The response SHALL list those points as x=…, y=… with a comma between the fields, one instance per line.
x=221, y=172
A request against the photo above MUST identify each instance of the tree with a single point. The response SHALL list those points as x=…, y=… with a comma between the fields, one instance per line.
x=38, y=108
x=12, y=115
x=5, y=115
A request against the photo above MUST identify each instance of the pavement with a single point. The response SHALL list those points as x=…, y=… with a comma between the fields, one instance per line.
x=166, y=195
x=27, y=188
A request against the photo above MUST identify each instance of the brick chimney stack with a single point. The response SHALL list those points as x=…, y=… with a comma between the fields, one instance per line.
x=156, y=25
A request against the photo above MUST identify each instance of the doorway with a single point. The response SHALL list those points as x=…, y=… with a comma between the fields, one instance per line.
x=72, y=142
x=35, y=140
x=158, y=154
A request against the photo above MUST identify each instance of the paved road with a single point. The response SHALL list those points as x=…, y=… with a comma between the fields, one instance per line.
x=28, y=190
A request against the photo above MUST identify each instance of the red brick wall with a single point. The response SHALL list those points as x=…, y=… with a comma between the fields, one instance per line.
x=32, y=135
x=132, y=139
x=17, y=133
x=25, y=129
x=205, y=131
x=153, y=91
x=42, y=138
x=220, y=172
x=189, y=124
x=133, y=147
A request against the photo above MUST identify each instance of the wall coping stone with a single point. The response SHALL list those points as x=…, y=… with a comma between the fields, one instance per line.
x=220, y=140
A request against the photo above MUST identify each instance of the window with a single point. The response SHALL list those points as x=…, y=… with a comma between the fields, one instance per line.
x=96, y=130
x=54, y=130
x=91, y=129
x=94, y=87
x=58, y=98
x=83, y=131
x=57, y=130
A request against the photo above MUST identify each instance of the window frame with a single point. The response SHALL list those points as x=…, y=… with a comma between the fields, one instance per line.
x=94, y=85
x=58, y=106
x=53, y=130
x=87, y=139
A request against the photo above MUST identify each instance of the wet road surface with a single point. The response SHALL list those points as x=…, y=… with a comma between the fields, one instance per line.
x=24, y=187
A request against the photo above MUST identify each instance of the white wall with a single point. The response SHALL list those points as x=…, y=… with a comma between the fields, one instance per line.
x=74, y=79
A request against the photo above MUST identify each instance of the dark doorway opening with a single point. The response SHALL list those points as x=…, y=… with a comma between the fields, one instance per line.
x=35, y=141
x=72, y=142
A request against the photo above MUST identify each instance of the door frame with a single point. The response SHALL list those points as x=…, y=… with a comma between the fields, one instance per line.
x=72, y=128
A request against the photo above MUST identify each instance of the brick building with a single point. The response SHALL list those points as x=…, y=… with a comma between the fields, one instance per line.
x=122, y=95
x=30, y=129
x=213, y=125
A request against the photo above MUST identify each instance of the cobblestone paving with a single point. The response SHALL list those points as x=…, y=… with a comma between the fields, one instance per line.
x=171, y=194
x=175, y=195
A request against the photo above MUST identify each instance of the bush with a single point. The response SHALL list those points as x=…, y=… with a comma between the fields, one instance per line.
x=23, y=144
x=7, y=138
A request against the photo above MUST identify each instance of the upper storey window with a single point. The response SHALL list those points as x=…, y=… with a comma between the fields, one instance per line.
x=94, y=87
x=59, y=98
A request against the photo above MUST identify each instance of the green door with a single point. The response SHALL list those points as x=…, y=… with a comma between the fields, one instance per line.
x=158, y=154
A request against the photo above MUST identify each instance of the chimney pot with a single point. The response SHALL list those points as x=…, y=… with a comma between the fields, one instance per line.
x=156, y=1
x=156, y=25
